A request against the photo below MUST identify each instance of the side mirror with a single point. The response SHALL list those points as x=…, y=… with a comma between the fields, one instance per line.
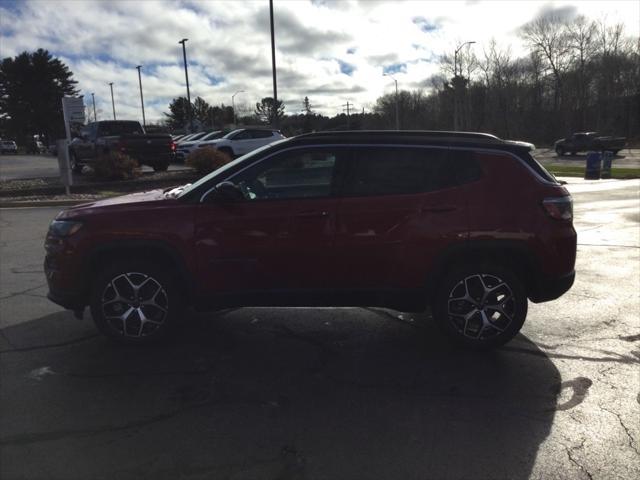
x=228, y=192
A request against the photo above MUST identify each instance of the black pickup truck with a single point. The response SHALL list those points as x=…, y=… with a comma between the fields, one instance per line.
x=584, y=141
x=97, y=138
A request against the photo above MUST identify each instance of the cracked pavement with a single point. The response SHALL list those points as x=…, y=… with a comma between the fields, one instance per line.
x=266, y=393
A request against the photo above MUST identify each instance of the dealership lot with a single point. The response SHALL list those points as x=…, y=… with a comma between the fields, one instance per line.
x=330, y=393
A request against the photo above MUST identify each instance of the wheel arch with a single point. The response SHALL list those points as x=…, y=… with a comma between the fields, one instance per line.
x=158, y=252
x=509, y=254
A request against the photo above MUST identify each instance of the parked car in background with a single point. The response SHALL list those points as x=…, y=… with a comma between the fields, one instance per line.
x=243, y=140
x=8, y=146
x=192, y=136
x=466, y=224
x=126, y=136
x=185, y=148
x=35, y=147
x=585, y=141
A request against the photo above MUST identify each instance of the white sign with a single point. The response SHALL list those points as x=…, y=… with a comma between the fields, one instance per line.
x=73, y=109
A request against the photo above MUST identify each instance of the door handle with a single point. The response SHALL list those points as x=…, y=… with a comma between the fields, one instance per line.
x=312, y=214
x=439, y=209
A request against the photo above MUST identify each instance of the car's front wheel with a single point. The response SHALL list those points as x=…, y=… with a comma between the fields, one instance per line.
x=481, y=306
x=135, y=302
x=560, y=151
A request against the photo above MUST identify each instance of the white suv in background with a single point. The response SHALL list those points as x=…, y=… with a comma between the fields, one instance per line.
x=184, y=148
x=243, y=140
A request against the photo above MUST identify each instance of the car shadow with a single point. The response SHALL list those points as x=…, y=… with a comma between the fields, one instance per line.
x=273, y=393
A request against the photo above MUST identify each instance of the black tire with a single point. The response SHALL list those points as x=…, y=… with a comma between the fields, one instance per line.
x=160, y=167
x=74, y=165
x=494, y=316
x=560, y=151
x=615, y=152
x=573, y=153
x=158, y=300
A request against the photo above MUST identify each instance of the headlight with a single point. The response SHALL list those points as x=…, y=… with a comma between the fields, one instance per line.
x=64, y=228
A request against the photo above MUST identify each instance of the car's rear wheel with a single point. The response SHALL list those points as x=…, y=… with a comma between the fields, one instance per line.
x=135, y=302
x=160, y=167
x=560, y=151
x=481, y=306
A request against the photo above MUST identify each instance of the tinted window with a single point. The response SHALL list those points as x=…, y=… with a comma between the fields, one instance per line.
x=402, y=171
x=262, y=133
x=298, y=174
x=108, y=129
x=244, y=135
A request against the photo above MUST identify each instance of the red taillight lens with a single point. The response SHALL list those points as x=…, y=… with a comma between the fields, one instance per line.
x=559, y=208
x=173, y=146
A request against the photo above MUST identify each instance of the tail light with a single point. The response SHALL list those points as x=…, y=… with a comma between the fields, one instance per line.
x=173, y=146
x=559, y=208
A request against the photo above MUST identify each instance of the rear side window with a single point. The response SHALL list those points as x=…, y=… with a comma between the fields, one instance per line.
x=402, y=171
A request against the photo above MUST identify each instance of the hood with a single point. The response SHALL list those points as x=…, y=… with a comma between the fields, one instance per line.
x=129, y=200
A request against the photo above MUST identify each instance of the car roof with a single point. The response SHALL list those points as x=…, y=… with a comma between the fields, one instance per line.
x=408, y=137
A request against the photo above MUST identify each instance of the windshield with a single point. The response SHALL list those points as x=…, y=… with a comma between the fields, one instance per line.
x=212, y=135
x=226, y=167
x=109, y=129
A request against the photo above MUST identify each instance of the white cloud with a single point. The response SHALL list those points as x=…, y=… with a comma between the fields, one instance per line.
x=229, y=45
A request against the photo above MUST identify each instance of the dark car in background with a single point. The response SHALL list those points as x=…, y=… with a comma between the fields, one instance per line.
x=125, y=136
x=466, y=224
x=585, y=141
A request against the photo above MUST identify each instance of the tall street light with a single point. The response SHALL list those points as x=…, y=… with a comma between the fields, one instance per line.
x=273, y=65
x=144, y=121
x=233, y=106
x=397, y=112
x=456, y=85
x=186, y=76
x=113, y=105
x=93, y=99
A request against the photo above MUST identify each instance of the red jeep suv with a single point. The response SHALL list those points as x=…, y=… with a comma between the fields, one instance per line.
x=464, y=223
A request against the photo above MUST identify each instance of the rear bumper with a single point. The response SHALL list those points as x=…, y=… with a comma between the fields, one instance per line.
x=545, y=289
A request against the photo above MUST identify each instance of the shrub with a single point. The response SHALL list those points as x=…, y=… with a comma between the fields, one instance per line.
x=116, y=166
x=207, y=159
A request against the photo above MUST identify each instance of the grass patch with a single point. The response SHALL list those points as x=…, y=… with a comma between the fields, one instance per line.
x=578, y=171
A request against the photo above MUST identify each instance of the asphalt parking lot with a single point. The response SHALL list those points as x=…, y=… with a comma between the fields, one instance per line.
x=352, y=393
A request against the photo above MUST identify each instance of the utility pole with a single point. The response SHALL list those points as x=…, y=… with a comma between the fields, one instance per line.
x=233, y=106
x=456, y=85
x=273, y=63
x=93, y=99
x=113, y=105
x=397, y=99
x=186, y=76
x=144, y=121
x=349, y=106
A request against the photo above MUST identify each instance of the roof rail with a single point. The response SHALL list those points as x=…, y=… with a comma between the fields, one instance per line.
x=408, y=133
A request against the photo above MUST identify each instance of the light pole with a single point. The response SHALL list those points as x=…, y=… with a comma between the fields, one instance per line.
x=144, y=121
x=186, y=76
x=397, y=112
x=113, y=105
x=233, y=106
x=93, y=99
x=273, y=66
x=456, y=83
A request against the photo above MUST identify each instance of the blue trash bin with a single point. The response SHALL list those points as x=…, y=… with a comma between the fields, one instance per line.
x=592, y=170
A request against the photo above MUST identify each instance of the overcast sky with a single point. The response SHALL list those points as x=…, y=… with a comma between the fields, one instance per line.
x=330, y=51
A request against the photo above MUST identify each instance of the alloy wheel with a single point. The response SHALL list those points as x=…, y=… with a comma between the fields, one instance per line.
x=481, y=306
x=135, y=304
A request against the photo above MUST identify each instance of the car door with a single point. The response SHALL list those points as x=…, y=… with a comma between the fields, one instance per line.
x=398, y=209
x=280, y=237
